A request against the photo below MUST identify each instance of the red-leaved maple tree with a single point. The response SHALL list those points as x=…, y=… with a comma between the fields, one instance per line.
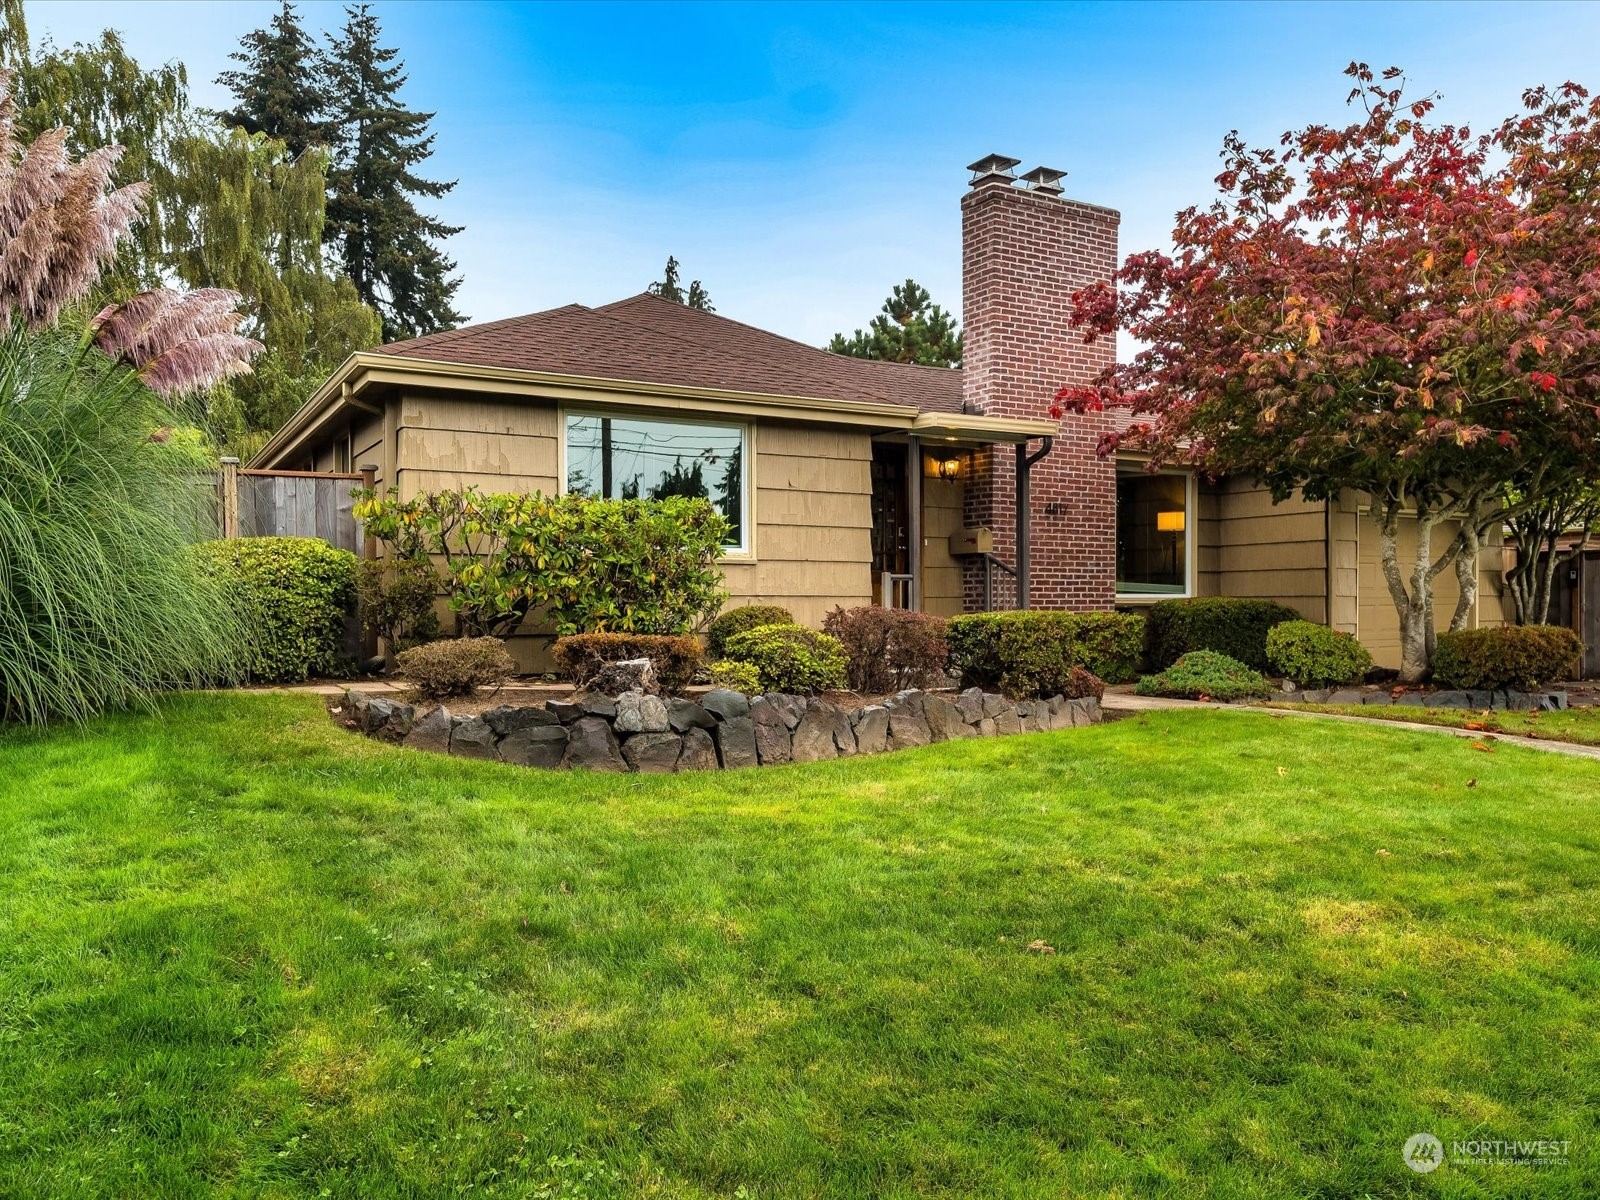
x=1395, y=307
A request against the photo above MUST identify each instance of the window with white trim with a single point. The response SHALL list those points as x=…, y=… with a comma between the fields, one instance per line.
x=650, y=458
x=1155, y=520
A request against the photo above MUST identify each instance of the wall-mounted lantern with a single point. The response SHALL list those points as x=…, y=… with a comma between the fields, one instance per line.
x=950, y=469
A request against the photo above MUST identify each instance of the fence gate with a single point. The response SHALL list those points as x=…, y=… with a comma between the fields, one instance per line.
x=291, y=504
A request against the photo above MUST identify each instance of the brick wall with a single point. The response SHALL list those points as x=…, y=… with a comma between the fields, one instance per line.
x=1023, y=253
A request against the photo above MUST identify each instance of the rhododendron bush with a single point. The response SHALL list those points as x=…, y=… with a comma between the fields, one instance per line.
x=1398, y=307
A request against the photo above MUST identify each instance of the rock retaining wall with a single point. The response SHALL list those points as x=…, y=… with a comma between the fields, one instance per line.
x=1499, y=699
x=720, y=730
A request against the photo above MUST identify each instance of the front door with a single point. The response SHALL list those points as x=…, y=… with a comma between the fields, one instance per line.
x=891, y=541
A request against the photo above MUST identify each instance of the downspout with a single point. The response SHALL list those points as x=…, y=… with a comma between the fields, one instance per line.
x=1025, y=463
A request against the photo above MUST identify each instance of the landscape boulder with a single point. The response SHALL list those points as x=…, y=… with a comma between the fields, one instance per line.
x=593, y=747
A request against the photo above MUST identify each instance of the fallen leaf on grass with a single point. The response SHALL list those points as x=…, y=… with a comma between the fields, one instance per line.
x=1381, y=853
x=1477, y=725
x=1040, y=946
x=1481, y=746
x=1283, y=770
x=1472, y=783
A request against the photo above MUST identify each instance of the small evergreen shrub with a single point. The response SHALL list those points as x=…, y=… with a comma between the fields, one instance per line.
x=1230, y=625
x=1205, y=675
x=1315, y=656
x=395, y=600
x=741, y=619
x=456, y=666
x=294, y=595
x=736, y=676
x=582, y=656
x=791, y=658
x=889, y=648
x=1031, y=654
x=1518, y=657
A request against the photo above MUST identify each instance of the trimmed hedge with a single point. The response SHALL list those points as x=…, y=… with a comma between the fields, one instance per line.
x=889, y=648
x=1205, y=675
x=741, y=620
x=456, y=666
x=1230, y=625
x=1032, y=653
x=582, y=656
x=294, y=595
x=1313, y=655
x=791, y=658
x=1519, y=657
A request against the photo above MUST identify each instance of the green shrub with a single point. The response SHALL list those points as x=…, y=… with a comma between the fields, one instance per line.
x=1031, y=654
x=1314, y=656
x=791, y=658
x=1519, y=657
x=736, y=676
x=456, y=666
x=294, y=595
x=1229, y=625
x=738, y=620
x=595, y=566
x=1205, y=675
x=889, y=648
x=582, y=656
x=395, y=600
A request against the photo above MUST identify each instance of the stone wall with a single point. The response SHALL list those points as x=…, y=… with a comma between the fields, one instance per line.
x=722, y=729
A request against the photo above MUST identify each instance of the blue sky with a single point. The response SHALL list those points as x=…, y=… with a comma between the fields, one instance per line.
x=802, y=158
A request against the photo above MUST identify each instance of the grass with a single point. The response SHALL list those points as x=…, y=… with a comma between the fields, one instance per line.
x=245, y=954
x=1580, y=725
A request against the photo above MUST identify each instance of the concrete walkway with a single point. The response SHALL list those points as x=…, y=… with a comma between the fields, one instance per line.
x=1127, y=702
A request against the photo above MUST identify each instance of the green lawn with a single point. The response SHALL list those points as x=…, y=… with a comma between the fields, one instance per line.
x=1581, y=725
x=244, y=953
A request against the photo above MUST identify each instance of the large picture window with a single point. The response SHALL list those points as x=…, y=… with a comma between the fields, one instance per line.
x=628, y=458
x=1154, y=524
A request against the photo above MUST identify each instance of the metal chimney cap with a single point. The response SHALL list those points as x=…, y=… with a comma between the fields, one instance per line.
x=1046, y=180
x=994, y=168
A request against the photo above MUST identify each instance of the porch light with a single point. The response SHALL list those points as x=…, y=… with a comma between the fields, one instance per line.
x=1170, y=522
x=950, y=468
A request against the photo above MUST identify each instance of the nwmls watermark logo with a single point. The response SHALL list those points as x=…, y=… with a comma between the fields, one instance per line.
x=1424, y=1153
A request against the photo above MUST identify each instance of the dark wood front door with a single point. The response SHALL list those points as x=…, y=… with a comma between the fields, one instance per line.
x=891, y=543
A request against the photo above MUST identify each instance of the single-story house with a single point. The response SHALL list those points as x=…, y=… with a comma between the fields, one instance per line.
x=849, y=481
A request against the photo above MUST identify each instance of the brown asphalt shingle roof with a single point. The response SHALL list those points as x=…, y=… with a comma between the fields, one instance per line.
x=646, y=339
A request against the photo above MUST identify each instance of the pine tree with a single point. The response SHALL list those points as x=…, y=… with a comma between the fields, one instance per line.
x=279, y=89
x=909, y=329
x=386, y=246
x=668, y=288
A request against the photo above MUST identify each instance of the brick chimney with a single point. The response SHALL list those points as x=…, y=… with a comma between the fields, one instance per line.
x=1025, y=249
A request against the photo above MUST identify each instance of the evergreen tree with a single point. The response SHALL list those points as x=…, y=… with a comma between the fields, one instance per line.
x=278, y=88
x=669, y=288
x=909, y=329
x=386, y=246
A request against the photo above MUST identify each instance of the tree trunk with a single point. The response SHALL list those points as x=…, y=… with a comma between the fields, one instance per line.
x=1466, y=564
x=1410, y=603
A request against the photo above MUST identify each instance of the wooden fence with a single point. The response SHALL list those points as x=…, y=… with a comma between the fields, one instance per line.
x=291, y=504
